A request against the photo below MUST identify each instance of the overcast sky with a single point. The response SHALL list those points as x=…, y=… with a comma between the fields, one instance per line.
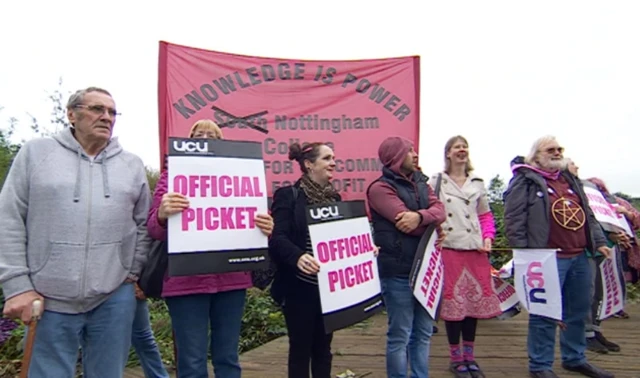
x=501, y=73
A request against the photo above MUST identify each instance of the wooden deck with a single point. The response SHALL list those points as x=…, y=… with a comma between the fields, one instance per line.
x=500, y=350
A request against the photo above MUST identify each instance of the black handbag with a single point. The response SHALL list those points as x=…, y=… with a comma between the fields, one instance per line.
x=262, y=278
x=152, y=275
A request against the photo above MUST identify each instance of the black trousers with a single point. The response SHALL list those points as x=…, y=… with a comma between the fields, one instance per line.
x=309, y=345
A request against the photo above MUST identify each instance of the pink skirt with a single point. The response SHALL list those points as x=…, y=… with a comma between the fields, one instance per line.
x=468, y=287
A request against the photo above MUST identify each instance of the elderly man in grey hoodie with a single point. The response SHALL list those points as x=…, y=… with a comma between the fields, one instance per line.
x=73, y=234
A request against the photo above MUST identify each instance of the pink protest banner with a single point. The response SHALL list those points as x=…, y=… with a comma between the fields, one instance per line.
x=279, y=101
x=225, y=184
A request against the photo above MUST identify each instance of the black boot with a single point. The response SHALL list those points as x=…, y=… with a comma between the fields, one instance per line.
x=594, y=345
x=543, y=374
x=589, y=370
x=613, y=347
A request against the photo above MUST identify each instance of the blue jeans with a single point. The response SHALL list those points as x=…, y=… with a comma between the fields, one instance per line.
x=191, y=316
x=410, y=330
x=104, y=334
x=145, y=344
x=575, y=281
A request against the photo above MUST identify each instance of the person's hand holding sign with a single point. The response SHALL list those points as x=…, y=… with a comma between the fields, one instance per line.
x=606, y=251
x=620, y=238
x=408, y=221
x=172, y=203
x=265, y=223
x=308, y=264
x=376, y=251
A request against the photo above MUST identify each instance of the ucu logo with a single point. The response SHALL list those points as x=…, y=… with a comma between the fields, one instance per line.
x=535, y=280
x=190, y=146
x=324, y=212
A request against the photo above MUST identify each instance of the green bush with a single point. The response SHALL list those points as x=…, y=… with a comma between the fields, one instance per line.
x=633, y=292
x=262, y=321
x=501, y=253
x=10, y=353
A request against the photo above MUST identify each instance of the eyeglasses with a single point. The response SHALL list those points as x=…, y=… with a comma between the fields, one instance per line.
x=552, y=150
x=99, y=109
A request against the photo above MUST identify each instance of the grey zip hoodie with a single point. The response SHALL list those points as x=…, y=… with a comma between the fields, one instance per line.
x=72, y=228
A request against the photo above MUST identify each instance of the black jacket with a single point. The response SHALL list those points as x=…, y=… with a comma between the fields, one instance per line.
x=398, y=249
x=527, y=210
x=289, y=238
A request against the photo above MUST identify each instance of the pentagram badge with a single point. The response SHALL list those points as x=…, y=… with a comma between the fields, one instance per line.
x=568, y=214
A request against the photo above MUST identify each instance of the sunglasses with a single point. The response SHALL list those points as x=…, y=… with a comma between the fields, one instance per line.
x=552, y=150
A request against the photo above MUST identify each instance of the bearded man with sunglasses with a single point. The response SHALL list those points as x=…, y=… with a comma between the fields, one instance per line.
x=73, y=235
x=546, y=207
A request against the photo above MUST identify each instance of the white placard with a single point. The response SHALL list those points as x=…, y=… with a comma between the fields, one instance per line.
x=613, y=295
x=537, y=282
x=429, y=280
x=605, y=212
x=506, y=293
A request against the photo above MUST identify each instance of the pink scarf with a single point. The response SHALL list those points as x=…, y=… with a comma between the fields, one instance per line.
x=545, y=174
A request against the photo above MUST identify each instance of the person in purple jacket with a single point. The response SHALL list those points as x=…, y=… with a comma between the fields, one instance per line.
x=198, y=302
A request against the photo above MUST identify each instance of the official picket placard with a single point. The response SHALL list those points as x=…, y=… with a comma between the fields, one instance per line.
x=427, y=273
x=613, y=295
x=280, y=101
x=537, y=282
x=348, y=279
x=225, y=184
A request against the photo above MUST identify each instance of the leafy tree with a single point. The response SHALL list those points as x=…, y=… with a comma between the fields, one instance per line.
x=58, y=116
x=58, y=121
x=59, y=112
x=623, y=196
x=494, y=192
x=7, y=152
x=635, y=202
x=7, y=149
x=152, y=176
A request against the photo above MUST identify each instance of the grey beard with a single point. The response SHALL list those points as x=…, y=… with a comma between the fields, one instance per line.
x=556, y=165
